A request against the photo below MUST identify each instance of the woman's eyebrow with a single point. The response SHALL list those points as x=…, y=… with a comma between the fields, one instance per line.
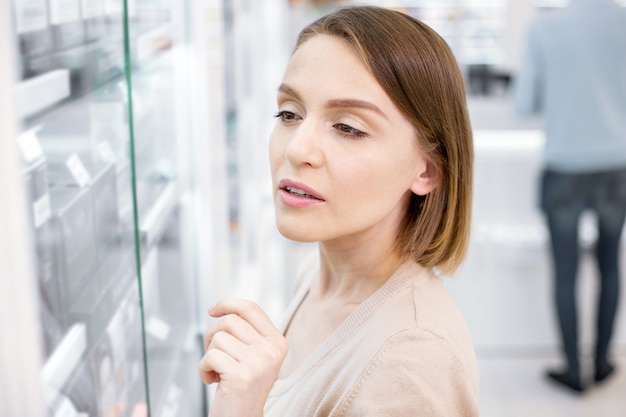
x=343, y=103
x=355, y=103
x=284, y=88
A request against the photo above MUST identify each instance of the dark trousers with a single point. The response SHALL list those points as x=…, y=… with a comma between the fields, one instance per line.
x=564, y=196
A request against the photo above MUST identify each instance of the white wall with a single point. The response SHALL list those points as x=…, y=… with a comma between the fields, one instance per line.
x=20, y=355
x=518, y=16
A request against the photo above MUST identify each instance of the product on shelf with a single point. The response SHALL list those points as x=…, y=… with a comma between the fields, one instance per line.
x=74, y=240
x=34, y=176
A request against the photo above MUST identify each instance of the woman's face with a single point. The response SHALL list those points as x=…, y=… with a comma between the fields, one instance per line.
x=344, y=159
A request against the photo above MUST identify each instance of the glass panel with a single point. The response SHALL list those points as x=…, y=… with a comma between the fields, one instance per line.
x=157, y=56
x=75, y=142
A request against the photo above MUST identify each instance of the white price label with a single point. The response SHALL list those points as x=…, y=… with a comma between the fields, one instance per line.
x=78, y=170
x=115, y=330
x=158, y=328
x=138, y=106
x=30, y=146
x=106, y=152
x=42, y=210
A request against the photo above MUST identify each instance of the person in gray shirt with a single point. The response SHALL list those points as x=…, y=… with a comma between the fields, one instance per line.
x=574, y=74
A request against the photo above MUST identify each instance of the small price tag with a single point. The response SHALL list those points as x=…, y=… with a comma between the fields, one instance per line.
x=41, y=210
x=158, y=328
x=29, y=145
x=78, y=170
x=106, y=152
x=138, y=107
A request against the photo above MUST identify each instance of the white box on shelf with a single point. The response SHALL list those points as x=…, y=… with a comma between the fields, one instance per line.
x=39, y=93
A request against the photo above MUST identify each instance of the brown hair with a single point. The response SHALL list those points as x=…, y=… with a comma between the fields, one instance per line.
x=418, y=71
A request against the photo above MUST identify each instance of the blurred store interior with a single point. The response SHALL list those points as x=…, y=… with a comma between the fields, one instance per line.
x=137, y=193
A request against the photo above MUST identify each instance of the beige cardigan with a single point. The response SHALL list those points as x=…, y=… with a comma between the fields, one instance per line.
x=404, y=351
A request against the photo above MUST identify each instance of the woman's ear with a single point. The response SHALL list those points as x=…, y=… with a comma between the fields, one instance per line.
x=426, y=180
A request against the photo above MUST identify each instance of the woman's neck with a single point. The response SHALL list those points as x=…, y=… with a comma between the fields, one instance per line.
x=354, y=273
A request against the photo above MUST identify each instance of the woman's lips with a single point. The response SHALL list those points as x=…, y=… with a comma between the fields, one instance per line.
x=298, y=195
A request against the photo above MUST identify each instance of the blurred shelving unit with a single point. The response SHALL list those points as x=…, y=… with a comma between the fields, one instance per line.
x=259, y=44
x=476, y=31
x=472, y=28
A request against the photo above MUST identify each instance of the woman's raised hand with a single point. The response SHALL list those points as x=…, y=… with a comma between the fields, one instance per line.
x=244, y=353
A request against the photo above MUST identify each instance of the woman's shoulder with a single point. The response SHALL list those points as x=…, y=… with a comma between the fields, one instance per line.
x=428, y=318
x=416, y=371
x=425, y=363
x=425, y=303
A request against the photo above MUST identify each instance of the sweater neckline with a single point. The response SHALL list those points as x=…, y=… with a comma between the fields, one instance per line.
x=407, y=272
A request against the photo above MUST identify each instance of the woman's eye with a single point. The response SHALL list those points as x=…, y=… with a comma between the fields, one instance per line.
x=286, y=116
x=347, y=130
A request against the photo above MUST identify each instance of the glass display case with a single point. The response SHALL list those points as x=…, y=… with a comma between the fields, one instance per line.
x=104, y=107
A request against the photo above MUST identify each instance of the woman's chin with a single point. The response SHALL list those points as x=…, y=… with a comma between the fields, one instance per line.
x=298, y=234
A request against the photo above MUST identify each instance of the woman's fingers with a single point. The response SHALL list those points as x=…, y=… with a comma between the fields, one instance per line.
x=247, y=310
x=229, y=344
x=246, y=336
x=220, y=344
x=232, y=324
x=244, y=353
x=213, y=363
x=208, y=377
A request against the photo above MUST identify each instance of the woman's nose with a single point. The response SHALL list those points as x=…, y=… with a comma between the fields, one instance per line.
x=305, y=144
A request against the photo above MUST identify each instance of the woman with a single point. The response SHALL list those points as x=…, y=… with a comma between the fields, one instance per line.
x=371, y=157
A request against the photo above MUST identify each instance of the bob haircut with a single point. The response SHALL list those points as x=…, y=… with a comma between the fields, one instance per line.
x=418, y=71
